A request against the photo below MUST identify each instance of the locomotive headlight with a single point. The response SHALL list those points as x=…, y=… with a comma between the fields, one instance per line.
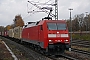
x=66, y=40
x=50, y=40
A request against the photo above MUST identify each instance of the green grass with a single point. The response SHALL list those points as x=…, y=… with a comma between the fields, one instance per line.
x=81, y=36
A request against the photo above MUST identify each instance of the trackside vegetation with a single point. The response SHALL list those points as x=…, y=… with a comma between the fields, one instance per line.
x=81, y=36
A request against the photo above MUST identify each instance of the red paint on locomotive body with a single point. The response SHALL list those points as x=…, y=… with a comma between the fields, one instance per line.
x=46, y=32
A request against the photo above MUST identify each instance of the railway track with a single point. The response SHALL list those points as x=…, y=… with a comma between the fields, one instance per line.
x=81, y=51
x=62, y=57
x=82, y=43
x=34, y=55
x=28, y=52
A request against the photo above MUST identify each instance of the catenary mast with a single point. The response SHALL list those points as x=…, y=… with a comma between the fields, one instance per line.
x=56, y=9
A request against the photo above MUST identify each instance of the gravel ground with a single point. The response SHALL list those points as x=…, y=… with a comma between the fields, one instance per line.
x=79, y=56
x=18, y=50
x=81, y=48
x=4, y=53
x=23, y=53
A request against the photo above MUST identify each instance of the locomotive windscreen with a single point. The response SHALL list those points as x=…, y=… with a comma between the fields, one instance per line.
x=56, y=26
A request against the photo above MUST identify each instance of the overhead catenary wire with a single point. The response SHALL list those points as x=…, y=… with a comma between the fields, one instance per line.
x=41, y=3
x=38, y=2
x=41, y=9
x=37, y=6
x=33, y=11
x=29, y=9
x=32, y=7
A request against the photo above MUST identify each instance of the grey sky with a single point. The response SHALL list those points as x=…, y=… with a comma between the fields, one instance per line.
x=10, y=8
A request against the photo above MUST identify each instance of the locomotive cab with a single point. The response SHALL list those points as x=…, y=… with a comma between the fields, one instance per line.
x=56, y=35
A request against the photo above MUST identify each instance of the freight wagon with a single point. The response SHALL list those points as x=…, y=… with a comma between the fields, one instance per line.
x=17, y=32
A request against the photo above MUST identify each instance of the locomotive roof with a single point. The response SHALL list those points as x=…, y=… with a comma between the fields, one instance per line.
x=30, y=24
x=51, y=21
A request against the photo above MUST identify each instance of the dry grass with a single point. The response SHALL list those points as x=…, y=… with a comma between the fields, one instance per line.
x=81, y=48
x=81, y=36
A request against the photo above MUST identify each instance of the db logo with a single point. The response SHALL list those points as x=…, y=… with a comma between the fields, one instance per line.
x=58, y=35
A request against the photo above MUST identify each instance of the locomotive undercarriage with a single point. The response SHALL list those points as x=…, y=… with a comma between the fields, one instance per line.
x=52, y=49
x=57, y=48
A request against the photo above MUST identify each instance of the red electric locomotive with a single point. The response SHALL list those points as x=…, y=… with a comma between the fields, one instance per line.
x=49, y=35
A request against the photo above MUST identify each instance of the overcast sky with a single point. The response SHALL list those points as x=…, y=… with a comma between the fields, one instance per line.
x=10, y=8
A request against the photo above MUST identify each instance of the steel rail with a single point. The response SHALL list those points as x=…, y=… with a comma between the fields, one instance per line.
x=81, y=51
